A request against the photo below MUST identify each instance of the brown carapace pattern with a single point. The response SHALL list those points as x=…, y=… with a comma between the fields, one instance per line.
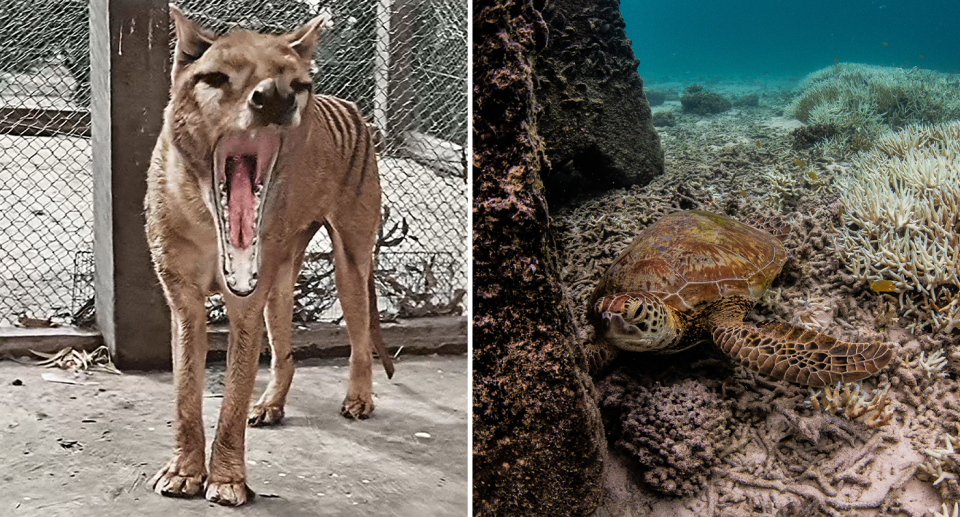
x=792, y=353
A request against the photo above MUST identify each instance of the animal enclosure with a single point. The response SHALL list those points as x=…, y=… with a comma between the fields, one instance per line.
x=404, y=62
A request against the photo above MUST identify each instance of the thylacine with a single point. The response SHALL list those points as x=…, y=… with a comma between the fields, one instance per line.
x=248, y=166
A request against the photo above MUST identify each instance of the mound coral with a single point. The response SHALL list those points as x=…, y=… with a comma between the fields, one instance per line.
x=698, y=101
x=675, y=432
x=865, y=101
x=899, y=223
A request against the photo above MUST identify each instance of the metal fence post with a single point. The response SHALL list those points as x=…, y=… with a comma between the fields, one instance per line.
x=401, y=93
x=130, y=74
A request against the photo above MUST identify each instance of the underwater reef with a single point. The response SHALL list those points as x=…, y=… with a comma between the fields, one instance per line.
x=698, y=101
x=865, y=101
x=898, y=227
x=538, y=444
x=664, y=119
x=595, y=121
x=655, y=98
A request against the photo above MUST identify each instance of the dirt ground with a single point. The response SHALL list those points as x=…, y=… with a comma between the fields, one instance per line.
x=79, y=450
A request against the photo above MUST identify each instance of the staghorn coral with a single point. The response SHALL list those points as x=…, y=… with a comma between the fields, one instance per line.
x=864, y=101
x=899, y=223
x=946, y=511
x=933, y=366
x=675, y=432
x=852, y=404
x=941, y=463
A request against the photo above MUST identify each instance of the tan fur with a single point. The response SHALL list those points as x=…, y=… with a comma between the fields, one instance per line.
x=325, y=175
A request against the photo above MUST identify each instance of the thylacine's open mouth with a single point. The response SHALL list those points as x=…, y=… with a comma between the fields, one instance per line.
x=242, y=165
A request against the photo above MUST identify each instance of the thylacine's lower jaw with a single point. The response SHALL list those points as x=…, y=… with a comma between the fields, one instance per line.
x=239, y=248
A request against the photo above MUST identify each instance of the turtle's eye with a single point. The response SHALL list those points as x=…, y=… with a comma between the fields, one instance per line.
x=214, y=79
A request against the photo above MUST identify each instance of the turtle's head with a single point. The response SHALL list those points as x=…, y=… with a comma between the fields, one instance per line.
x=638, y=322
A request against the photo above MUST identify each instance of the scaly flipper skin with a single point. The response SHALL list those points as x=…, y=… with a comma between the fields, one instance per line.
x=792, y=353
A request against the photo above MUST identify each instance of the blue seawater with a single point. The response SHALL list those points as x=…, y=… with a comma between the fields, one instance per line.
x=686, y=40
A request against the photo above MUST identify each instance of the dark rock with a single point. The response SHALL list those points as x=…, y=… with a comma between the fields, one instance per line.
x=538, y=443
x=655, y=98
x=807, y=136
x=751, y=100
x=595, y=122
x=698, y=101
x=17, y=382
x=664, y=119
x=675, y=432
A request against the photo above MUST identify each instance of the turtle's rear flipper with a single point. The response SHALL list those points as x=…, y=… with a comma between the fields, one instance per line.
x=798, y=355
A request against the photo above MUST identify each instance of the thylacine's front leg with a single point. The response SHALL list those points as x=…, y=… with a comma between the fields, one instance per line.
x=279, y=317
x=184, y=474
x=227, y=483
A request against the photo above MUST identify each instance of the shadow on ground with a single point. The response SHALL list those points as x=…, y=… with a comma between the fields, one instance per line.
x=78, y=450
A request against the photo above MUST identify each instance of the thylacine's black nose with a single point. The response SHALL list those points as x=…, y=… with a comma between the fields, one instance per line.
x=271, y=105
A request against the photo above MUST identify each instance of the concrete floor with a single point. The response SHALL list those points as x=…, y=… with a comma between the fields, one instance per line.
x=79, y=450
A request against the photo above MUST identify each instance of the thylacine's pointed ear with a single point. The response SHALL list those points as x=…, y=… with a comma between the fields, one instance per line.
x=192, y=40
x=304, y=40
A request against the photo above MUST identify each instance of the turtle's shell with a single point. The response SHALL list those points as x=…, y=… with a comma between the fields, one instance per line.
x=695, y=257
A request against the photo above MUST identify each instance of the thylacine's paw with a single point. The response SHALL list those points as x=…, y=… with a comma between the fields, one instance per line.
x=357, y=406
x=229, y=493
x=263, y=415
x=179, y=478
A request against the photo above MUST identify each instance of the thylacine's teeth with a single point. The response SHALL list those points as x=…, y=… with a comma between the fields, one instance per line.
x=232, y=280
x=258, y=190
x=254, y=241
x=223, y=187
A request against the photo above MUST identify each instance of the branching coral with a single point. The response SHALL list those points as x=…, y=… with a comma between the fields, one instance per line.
x=852, y=404
x=941, y=463
x=900, y=222
x=933, y=366
x=864, y=101
x=946, y=511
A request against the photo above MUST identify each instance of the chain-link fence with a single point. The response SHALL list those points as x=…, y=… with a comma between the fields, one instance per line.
x=404, y=62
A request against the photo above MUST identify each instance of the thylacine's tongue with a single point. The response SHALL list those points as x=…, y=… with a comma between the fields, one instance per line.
x=240, y=202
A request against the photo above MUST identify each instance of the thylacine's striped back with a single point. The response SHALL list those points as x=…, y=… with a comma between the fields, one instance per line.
x=351, y=136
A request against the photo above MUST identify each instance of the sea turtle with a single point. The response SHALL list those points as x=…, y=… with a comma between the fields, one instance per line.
x=695, y=274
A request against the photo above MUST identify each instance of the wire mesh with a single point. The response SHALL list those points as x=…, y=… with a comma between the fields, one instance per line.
x=404, y=62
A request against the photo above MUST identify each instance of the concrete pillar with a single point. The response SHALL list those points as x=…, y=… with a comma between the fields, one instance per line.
x=130, y=81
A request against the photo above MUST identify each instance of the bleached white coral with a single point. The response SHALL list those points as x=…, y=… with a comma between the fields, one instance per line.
x=933, y=366
x=864, y=101
x=946, y=511
x=852, y=404
x=899, y=221
x=941, y=463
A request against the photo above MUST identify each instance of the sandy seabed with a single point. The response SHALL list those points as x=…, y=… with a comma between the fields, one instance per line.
x=731, y=442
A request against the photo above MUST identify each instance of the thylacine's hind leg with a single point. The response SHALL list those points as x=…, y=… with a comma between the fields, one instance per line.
x=353, y=256
x=279, y=316
x=792, y=353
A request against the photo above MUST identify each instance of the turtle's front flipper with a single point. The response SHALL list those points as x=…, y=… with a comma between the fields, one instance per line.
x=795, y=354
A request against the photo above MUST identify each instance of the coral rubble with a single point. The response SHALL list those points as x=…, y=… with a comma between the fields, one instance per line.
x=698, y=101
x=899, y=222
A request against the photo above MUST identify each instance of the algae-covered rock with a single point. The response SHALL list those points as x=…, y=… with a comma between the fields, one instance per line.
x=698, y=101
x=808, y=136
x=675, y=432
x=664, y=119
x=538, y=444
x=655, y=98
x=595, y=122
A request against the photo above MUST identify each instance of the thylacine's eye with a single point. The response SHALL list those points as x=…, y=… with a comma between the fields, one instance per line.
x=214, y=79
x=300, y=86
